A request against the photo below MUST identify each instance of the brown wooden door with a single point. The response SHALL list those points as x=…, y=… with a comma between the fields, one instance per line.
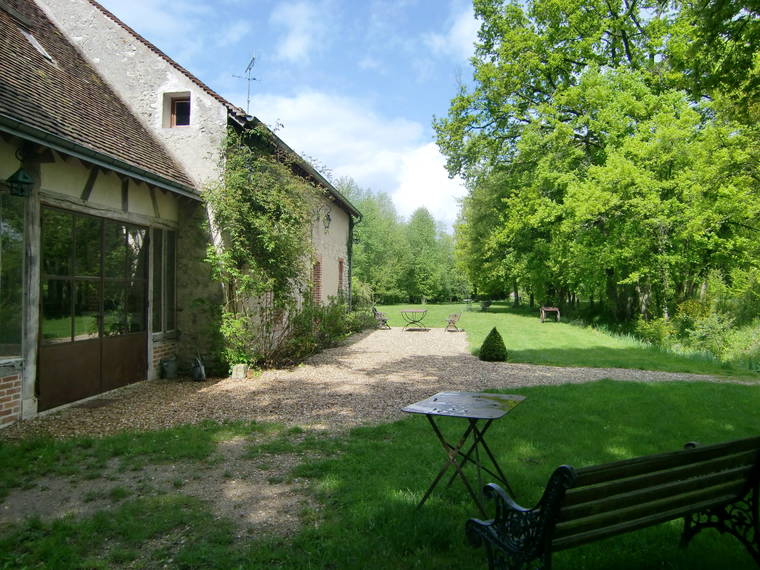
x=93, y=334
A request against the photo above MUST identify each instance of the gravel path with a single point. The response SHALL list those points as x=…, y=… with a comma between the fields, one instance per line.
x=366, y=380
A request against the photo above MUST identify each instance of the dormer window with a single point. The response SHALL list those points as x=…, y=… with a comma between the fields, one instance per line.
x=37, y=45
x=180, y=111
x=176, y=110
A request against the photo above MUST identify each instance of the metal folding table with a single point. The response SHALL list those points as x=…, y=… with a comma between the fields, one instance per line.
x=475, y=407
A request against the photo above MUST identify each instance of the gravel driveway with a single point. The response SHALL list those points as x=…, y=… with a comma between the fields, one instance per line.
x=366, y=380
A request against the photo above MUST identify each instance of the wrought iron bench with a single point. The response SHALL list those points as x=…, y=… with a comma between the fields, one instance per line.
x=452, y=321
x=381, y=319
x=712, y=486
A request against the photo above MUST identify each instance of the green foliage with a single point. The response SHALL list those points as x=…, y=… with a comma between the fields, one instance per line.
x=710, y=334
x=658, y=331
x=262, y=213
x=395, y=261
x=572, y=343
x=362, y=295
x=314, y=327
x=493, y=349
x=596, y=166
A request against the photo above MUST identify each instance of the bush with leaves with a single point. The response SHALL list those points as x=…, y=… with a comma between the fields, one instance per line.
x=261, y=213
x=658, y=331
x=493, y=349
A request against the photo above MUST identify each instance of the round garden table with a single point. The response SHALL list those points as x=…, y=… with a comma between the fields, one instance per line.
x=413, y=318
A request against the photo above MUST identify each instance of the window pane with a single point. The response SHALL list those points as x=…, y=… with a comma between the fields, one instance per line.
x=181, y=112
x=158, y=263
x=114, y=251
x=136, y=306
x=86, y=310
x=56, y=310
x=56, y=242
x=11, y=274
x=171, y=248
x=136, y=253
x=114, y=309
x=87, y=246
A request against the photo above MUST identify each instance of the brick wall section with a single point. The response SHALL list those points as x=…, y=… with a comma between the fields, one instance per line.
x=163, y=349
x=10, y=399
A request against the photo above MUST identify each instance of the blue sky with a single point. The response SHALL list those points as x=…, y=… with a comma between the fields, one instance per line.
x=353, y=84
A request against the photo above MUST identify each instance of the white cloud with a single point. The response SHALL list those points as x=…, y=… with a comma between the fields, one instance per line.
x=371, y=63
x=234, y=33
x=382, y=153
x=457, y=41
x=179, y=33
x=304, y=31
x=425, y=182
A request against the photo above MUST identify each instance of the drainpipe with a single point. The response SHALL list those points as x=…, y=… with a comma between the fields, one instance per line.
x=350, y=250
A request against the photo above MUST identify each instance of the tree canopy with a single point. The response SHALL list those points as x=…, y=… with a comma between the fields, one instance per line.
x=396, y=260
x=605, y=157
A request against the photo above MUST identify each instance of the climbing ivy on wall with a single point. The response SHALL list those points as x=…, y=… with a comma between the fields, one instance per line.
x=260, y=212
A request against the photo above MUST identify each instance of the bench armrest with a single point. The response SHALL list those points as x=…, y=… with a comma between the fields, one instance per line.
x=516, y=535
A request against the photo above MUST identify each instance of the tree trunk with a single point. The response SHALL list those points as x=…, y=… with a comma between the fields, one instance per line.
x=612, y=292
x=515, y=293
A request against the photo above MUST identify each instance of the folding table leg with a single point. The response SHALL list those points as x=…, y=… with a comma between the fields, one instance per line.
x=453, y=451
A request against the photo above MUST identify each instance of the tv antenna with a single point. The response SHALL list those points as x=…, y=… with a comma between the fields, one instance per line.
x=249, y=78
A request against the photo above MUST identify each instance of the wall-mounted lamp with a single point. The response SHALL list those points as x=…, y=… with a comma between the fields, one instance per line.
x=327, y=220
x=20, y=183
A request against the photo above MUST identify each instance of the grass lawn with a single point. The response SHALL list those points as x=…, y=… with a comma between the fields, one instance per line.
x=369, y=482
x=530, y=341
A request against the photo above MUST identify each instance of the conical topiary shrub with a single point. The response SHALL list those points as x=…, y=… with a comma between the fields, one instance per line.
x=493, y=349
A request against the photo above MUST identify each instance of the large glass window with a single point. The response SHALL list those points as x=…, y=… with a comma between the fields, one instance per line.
x=164, y=280
x=11, y=274
x=93, y=277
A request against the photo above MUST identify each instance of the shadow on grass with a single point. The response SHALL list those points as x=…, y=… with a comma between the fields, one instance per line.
x=371, y=489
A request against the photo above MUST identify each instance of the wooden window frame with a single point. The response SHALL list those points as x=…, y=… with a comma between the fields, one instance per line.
x=183, y=99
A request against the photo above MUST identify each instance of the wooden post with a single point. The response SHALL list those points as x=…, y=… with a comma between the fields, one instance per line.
x=31, y=308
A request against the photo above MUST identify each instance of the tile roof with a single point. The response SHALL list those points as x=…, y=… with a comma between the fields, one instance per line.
x=236, y=112
x=67, y=99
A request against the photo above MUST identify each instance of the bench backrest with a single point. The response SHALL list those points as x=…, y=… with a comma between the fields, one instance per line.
x=618, y=497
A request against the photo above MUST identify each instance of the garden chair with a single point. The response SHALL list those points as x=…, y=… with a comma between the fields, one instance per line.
x=452, y=322
x=381, y=319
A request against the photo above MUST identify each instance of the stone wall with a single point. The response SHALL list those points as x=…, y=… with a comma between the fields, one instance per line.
x=143, y=79
x=331, y=246
x=200, y=299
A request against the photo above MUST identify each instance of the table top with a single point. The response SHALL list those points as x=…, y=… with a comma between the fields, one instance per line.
x=474, y=405
x=414, y=310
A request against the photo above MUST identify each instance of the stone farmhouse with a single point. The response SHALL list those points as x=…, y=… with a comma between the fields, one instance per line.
x=105, y=147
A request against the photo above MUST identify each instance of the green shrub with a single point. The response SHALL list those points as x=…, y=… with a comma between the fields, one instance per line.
x=362, y=294
x=711, y=334
x=361, y=320
x=688, y=314
x=657, y=331
x=493, y=349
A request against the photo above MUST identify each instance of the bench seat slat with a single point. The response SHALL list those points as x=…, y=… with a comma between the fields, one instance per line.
x=649, y=463
x=677, y=505
x=578, y=495
x=642, y=494
x=577, y=539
